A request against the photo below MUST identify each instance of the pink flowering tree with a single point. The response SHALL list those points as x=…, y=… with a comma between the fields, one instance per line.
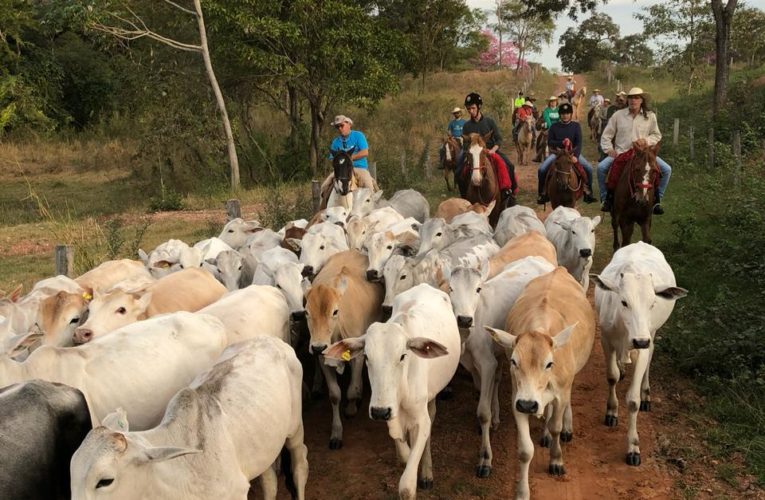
x=490, y=58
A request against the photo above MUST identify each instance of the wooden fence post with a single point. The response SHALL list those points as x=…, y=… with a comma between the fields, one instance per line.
x=233, y=210
x=64, y=260
x=711, y=148
x=373, y=170
x=427, y=162
x=676, y=132
x=403, y=162
x=737, y=156
x=690, y=143
x=316, y=195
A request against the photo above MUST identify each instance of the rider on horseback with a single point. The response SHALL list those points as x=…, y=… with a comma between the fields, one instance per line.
x=635, y=122
x=455, y=130
x=526, y=111
x=355, y=141
x=570, y=87
x=551, y=115
x=596, y=98
x=564, y=134
x=487, y=128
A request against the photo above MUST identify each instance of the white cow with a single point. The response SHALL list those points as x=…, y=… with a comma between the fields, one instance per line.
x=574, y=240
x=402, y=237
x=478, y=303
x=359, y=229
x=321, y=242
x=236, y=232
x=280, y=268
x=139, y=367
x=169, y=257
x=233, y=269
x=410, y=359
x=261, y=242
x=407, y=202
x=436, y=234
x=211, y=248
x=634, y=296
x=229, y=427
x=517, y=220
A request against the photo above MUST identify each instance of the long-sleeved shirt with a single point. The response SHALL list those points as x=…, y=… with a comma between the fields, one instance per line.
x=550, y=116
x=596, y=99
x=571, y=131
x=483, y=127
x=623, y=129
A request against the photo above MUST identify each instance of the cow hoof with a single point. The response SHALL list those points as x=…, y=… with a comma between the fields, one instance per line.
x=425, y=484
x=335, y=444
x=633, y=459
x=483, y=471
x=556, y=470
x=645, y=406
x=545, y=442
x=446, y=395
x=566, y=437
x=611, y=420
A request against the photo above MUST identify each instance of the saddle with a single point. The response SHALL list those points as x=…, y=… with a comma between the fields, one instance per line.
x=615, y=172
x=501, y=171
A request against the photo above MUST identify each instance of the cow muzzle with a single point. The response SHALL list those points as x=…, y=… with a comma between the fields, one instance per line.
x=387, y=311
x=525, y=406
x=641, y=343
x=82, y=335
x=317, y=349
x=307, y=271
x=374, y=276
x=464, y=321
x=585, y=253
x=297, y=315
x=377, y=413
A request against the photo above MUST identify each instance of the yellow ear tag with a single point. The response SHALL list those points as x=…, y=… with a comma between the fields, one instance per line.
x=87, y=296
x=346, y=355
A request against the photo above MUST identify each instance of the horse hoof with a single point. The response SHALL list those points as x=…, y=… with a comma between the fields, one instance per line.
x=483, y=471
x=633, y=459
x=611, y=420
x=566, y=437
x=425, y=484
x=556, y=470
x=335, y=444
x=645, y=406
x=545, y=442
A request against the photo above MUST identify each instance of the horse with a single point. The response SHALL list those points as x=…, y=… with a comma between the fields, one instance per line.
x=634, y=194
x=452, y=148
x=541, y=145
x=577, y=101
x=344, y=181
x=563, y=184
x=524, y=141
x=483, y=186
x=595, y=120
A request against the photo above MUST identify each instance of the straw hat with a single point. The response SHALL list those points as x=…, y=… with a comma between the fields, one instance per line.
x=456, y=110
x=637, y=91
x=341, y=119
x=552, y=98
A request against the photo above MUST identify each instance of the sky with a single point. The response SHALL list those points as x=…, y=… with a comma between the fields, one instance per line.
x=621, y=11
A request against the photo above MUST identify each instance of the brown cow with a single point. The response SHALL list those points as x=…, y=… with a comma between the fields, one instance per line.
x=452, y=207
x=553, y=330
x=341, y=304
x=523, y=245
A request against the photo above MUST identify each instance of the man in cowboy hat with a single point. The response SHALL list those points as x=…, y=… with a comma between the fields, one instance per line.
x=455, y=130
x=596, y=98
x=350, y=140
x=527, y=110
x=635, y=122
x=621, y=103
x=570, y=87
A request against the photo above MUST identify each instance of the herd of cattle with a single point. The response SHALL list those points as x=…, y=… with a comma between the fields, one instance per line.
x=195, y=346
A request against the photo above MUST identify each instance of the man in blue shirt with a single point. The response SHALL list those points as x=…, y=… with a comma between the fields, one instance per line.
x=351, y=140
x=455, y=130
x=561, y=133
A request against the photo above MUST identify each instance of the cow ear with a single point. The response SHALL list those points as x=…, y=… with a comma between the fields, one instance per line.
x=168, y=453
x=376, y=196
x=672, y=293
x=602, y=283
x=346, y=349
x=143, y=256
x=445, y=271
x=489, y=208
x=144, y=300
x=595, y=221
x=564, y=224
x=116, y=421
x=15, y=295
x=563, y=336
x=426, y=348
x=501, y=337
x=342, y=282
x=483, y=267
x=25, y=342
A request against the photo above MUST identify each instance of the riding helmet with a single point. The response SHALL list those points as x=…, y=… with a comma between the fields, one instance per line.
x=565, y=108
x=473, y=98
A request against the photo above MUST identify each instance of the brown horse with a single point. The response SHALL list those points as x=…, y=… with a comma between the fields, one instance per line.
x=634, y=194
x=483, y=186
x=452, y=148
x=563, y=184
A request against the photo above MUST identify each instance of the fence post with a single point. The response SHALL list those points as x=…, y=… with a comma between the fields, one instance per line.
x=233, y=210
x=316, y=195
x=427, y=162
x=403, y=162
x=64, y=260
x=373, y=170
x=690, y=143
x=676, y=132
x=737, y=156
x=711, y=148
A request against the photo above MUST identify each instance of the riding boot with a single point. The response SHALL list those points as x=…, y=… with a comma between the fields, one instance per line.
x=609, y=203
x=657, y=209
x=508, y=200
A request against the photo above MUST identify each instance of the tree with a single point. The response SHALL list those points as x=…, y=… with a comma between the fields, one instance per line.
x=633, y=50
x=133, y=27
x=528, y=31
x=748, y=34
x=723, y=20
x=489, y=59
x=594, y=41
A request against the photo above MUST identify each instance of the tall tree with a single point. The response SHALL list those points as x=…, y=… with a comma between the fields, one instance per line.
x=528, y=30
x=130, y=26
x=723, y=21
x=594, y=41
x=748, y=34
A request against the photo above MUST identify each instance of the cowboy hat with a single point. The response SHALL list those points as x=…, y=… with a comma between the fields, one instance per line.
x=596, y=90
x=456, y=110
x=621, y=93
x=637, y=91
x=606, y=100
x=528, y=103
x=341, y=119
x=552, y=98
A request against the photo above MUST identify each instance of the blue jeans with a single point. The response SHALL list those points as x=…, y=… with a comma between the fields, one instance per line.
x=542, y=172
x=664, y=168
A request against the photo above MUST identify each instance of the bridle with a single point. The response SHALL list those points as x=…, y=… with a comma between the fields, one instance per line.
x=634, y=185
x=483, y=168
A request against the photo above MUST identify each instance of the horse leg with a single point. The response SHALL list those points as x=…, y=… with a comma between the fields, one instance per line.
x=627, y=229
x=615, y=227
x=645, y=229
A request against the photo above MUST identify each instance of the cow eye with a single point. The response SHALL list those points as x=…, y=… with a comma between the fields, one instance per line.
x=478, y=290
x=451, y=290
x=403, y=277
x=624, y=303
x=230, y=230
x=573, y=232
x=513, y=363
x=390, y=247
x=321, y=247
x=121, y=310
x=334, y=313
x=74, y=321
x=103, y=483
x=549, y=365
x=402, y=357
x=438, y=234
